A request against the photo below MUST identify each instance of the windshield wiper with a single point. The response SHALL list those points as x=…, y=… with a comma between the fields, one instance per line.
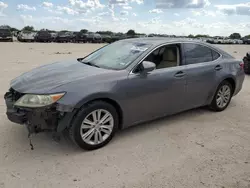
x=91, y=64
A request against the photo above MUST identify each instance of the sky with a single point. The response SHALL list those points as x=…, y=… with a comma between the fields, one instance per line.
x=173, y=17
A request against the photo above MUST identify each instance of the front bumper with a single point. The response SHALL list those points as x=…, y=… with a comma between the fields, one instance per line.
x=16, y=117
x=5, y=38
x=46, y=119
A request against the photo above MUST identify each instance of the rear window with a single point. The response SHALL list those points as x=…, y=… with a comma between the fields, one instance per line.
x=215, y=55
x=196, y=53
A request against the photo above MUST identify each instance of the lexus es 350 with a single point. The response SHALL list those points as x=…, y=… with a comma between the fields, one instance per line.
x=123, y=84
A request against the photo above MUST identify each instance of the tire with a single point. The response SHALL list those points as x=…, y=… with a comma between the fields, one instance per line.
x=76, y=131
x=246, y=65
x=214, y=105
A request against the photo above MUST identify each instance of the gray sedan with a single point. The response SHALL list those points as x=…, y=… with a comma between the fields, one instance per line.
x=122, y=84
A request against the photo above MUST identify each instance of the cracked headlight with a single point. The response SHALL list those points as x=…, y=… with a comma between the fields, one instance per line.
x=30, y=100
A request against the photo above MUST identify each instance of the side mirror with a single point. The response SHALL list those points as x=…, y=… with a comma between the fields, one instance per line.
x=147, y=66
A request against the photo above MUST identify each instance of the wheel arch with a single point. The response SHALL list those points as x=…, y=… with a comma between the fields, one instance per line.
x=69, y=118
x=232, y=82
x=230, y=79
x=114, y=103
x=106, y=97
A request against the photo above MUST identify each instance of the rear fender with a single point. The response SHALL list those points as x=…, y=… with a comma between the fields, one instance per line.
x=212, y=93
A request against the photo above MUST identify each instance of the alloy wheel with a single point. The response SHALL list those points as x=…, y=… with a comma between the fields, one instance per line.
x=97, y=127
x=223, y=96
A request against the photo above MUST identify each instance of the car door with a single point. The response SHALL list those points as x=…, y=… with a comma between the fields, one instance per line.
x=158, y=93
x=201, y=67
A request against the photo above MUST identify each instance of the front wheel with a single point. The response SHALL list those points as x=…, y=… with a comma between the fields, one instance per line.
x=222, y=97
x=94, y=126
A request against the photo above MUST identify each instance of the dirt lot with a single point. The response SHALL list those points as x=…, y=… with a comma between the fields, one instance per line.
x=197, y=148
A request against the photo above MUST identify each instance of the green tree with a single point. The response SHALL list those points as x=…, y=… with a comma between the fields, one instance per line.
x=131, y=32
x=105, y=32
x=14, y=29
x=200, y=36
x=247, y=37
x=5, y=26
x=28, y=28
x=51, y=31
x=84, y=31
x=190, y=36
x=119, y=34
x=140, y=33
x=235, y=36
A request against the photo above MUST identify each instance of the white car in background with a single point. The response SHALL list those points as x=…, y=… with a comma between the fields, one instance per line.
x=238, y=41
x=219, y=40
x=26, y=36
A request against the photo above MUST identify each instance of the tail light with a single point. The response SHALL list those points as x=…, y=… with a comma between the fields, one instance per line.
x=242, y=65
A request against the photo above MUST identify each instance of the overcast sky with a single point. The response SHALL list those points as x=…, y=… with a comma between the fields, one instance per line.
x=179, y=17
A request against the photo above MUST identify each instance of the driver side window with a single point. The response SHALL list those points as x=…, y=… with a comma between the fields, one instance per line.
x=165, y=56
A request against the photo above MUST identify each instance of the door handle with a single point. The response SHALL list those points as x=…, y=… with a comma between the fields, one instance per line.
x=218, y=67
x=179, y=74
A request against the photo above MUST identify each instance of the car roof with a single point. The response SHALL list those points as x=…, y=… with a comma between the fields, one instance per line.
x=156, y=41
x=161, y=40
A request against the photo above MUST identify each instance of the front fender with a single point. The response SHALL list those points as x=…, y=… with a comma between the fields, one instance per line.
x=96, y=96
x=66, y=121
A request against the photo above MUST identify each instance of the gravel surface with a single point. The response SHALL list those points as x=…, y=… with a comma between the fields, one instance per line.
x=198, y=148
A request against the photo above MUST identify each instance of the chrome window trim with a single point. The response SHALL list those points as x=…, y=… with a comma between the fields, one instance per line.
x=211, y=48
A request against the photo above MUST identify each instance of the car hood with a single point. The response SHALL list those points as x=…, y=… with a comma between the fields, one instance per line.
x=48, y=77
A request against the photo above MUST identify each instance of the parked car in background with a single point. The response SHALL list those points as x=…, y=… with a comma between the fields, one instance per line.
x=80, y=37
x=15, y=33
x=115, y=38
x=53, y=36
x=151, y=35
x=147, y=78
x=64, y=37
x=246, y=40
x=246, y=61
x=43, y=36
x=229, y=41
x=238, y=41
x=219, y=40
x=5, y=34
x=210, y=40
x=26, y=36
x=106, y=38
x=94, y=38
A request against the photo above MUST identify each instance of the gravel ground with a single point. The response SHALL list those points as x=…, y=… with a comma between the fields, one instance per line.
x=198, y=148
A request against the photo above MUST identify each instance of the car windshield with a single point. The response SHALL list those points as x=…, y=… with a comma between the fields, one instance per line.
x=5, y=31
x=117, y=55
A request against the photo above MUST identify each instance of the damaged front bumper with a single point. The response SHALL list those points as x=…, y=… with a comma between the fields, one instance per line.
x=46, y=119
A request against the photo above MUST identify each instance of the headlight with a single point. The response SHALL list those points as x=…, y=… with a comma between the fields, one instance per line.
x=30, y=100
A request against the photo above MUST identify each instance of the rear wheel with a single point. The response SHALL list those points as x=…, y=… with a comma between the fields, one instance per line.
x=222, y=97
x=94, y=125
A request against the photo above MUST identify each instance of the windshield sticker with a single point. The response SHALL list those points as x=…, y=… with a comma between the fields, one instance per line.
x=123, y=63
x=140, y=49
